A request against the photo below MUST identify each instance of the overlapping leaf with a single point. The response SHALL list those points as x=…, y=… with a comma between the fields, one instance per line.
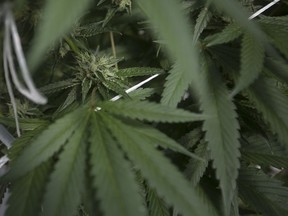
x=159, y=172
x=266, y=195
x=113, y=177
x=46, y=143
x=150, y=111
x=221, y=132
x=138, y=71
x=171, y=26
x=273, y=105
x=252, y=59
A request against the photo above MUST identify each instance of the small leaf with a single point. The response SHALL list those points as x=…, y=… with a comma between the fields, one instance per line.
x=46, y=144
x=144, y=110
x=58, y=86
x=252, y=59
x=86, y=85
x=66, y=185
x=138, y=71
x=174, y=87
x=72, y=96
x=113, y=177
x=195, y=168
x=202, y=21
x=228, y=34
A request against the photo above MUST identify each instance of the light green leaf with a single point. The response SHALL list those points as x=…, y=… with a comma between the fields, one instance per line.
x=47, y=143
x=157, y=169
x=221, y=132
x=266, y=195
x=27, y=192
x=138, y=71
x=67, y=182
x=228, y=34
x=113, y=177
x=174, y=87
x=54, y=25
x=202, y=21
x=235, y=10
x=167, y=18
x=150, y=111
x=252, y=59
x=273, y=105
x=58, y=86
x=156, y=205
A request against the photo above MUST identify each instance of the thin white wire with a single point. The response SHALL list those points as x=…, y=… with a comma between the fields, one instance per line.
x=260, y=11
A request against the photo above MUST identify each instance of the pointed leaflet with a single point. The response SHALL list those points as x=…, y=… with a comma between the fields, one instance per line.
x=228, y=34
x=66, y=185
x=156, y=138
x=138, y=71
x=27, y=192
x=265, y=194
x=54, y=25
x=171, y=26
x=47, y=143
x=144, y=110
x=195, y=168
x=252, y=59
x=234, y=9
x=156, y=205
x=157, y=169
x=273, y=105
x=113, y=177
x=221, y=132
x=202, y=22
x=58, y=86
x=175, y=86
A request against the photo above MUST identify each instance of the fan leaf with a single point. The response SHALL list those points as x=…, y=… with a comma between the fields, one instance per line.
x=46, y=143
x=157, y=169
x=113, y=177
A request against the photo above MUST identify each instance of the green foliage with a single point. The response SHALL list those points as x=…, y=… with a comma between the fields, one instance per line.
x=207, y=137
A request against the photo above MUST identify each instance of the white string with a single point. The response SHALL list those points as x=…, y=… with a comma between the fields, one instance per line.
x=133, y=88
x=257, y=13
x=31, y=92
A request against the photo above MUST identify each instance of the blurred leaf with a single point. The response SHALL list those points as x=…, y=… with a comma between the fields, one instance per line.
x=172, y=27
x=54, y=25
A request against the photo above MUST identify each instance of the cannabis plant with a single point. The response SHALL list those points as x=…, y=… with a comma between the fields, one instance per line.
x=144, y=107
